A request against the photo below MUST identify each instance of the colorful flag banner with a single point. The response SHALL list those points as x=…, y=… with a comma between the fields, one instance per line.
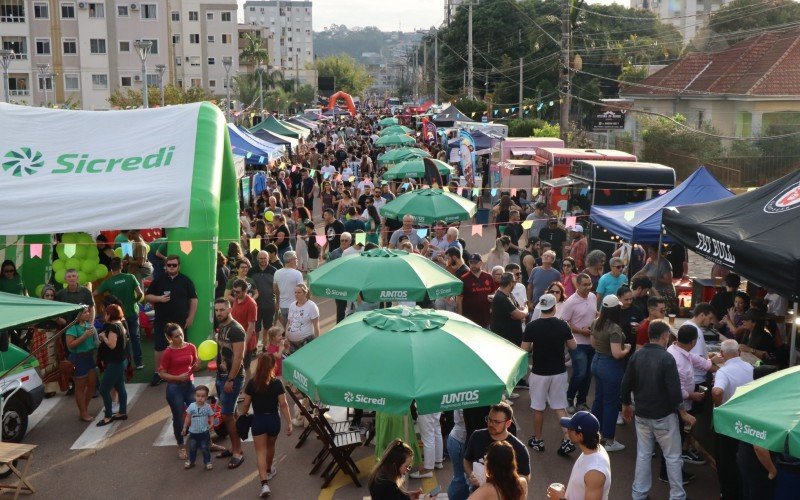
x=36, y=250
x=186, y=247
x=127, y=248
x=255, y=244
x=70, y=249
x=361, y=238
x=571, y=221
x=423, y=232
x=477, y=229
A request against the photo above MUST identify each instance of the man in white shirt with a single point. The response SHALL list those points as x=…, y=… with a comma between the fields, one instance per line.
x=579, y=311
x=702, y=318
x=734, y=373
x=285, y=280
x=439, y=242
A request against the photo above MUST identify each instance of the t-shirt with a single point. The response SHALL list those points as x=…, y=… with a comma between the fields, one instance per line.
x=13, y=285
x=122, y=286
x=608, y=284
x=611, y=333
x=540, y=279
x=273, y=349
x=116, y=355
x=576, y=487
x=579, y=312
x=199, y=417
x=475, y=297
x=267, y=400
x=179, y=361
x=298, y=326
x=76, y=331
x=227, y=335
x=502, y=323
x=287, y=279
x=251, y=284
x=701, y=349
x=181, y=291
x=721, y=302
x=413, y=237
x=734, y=373
x=333, y=232
x=264, y=279
x=514, y=231
x=385, y=489
x=81, y=296
x=246, y=312
x=556, y=237
x=547, y=337
x=479, y=442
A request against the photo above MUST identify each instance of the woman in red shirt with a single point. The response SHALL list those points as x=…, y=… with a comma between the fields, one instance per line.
x=178, y=364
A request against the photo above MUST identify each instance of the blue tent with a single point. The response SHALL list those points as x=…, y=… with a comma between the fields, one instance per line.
x=253, y=149
x=641, y=222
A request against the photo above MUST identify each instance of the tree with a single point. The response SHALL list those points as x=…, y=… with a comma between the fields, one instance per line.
x=350, y=77
x=254, y=51
x=130, y=98
x=682, y=148
x=742, y=18
x=305, y=94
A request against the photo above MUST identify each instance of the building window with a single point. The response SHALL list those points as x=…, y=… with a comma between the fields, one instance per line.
x=100, y=82
x=180, y=83
x=124, y=46
x=149, y=11
x=194, y=15
x=152, y=80
x=45, y=83
x=226, y=38
x=72, y=82
x=176, y=16
x=41, y=11
x=194, y=38
x=122, y=11
x=212, y=83
x=178, y=61
x=43, y=46
x=210, y=38
x=196, y=82
x=19, y=44
x=225, y=17
x=97, y=45
x=126, y=81
x=97, y=10
x=67, y=11
x=211, y=61
x=194, y=61
x=700, y=118
x=12, y=12
x=253, y=9
x=70, y=46
x=176, y=39
x=210, y=16
x=153, y=45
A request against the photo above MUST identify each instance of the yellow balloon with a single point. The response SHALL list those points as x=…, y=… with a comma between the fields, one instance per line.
x=269, y=216
x=207, y=350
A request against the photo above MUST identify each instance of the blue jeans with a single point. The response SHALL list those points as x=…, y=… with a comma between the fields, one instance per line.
x=607, y=373
x=459, y=488
x=581, y=376
x=667, y=432
x=201, y=441
x=114, y=377
x=135, y=343
x=179, y=396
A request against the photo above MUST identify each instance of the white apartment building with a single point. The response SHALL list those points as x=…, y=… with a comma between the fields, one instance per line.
x=291, y=45
x=688, y=16
x=89, y=46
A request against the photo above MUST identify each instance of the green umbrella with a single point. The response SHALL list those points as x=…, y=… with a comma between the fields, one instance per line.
x=401, y=154
x=415, y=168
x=394, y=130
x=383, y=275
x=429, y=205
x=382, y=360
x=764, y=412
x=395, y=140
x=388, y=122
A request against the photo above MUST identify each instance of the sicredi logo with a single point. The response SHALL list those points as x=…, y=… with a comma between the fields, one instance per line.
x=335, y=293
x=301, y=379
x=26, y=161
x=394, y=294
x=349, y=397
x=786, y=200
x=745, y=429
x=455, y=399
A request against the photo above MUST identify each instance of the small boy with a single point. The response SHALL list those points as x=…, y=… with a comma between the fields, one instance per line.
x=198, y=423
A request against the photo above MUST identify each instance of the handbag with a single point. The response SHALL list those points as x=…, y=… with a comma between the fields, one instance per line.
x=243, y=424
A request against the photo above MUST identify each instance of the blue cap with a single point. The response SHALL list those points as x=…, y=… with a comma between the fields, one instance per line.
x=583, y=422
x=476, y=257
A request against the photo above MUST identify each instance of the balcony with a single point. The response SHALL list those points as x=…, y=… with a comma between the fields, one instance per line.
x=17, y=92
x=12, y=11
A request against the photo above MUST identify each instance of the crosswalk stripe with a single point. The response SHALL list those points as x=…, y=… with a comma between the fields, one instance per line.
x=94, y=437
x=43, y=411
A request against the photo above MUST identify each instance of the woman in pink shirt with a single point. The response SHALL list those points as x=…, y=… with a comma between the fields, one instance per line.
x=568, y=277
x=178, y=364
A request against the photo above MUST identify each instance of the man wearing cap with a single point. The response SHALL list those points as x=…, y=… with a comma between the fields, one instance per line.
x=578, y=246
x=591, y=474
x=555, y=235
x=539, y=219
x=546, y=338
x=474, y=303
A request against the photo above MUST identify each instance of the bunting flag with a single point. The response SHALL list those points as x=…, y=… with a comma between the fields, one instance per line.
x=571, y=221
x=513, y=191
x=326, y=175
x=662, y=191
x=186, y=247
x=425, y=186
x=352, y=178
x=527, y=224
x=361, y=238
x=127, y=248
x=248, y=155
x=534, y=191
x=476, y=191
x=493, y=192
x=629, y=215
x=477, y=229
x=313, y=172
x=36, y=250
x=405, y=185
x=423, y=232
x=584, y=191
x=70, y=249
x=294, y=168
x=321, y=239
x=459, y=190
x=255, y=244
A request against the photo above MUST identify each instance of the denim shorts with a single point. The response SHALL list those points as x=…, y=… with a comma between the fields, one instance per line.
x=84, y=363
x=227, y=402
x=266, y=423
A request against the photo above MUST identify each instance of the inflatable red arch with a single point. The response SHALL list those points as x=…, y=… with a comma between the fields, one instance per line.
x=347, y=99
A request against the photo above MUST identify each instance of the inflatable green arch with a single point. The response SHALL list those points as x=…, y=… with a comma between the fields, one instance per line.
x=67, y=171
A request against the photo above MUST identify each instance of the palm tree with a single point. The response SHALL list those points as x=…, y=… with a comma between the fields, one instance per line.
x=255, y=50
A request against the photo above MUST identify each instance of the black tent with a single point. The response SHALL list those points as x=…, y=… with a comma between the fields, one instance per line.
x=268, y=136
x=449, y=115
x=757, y=234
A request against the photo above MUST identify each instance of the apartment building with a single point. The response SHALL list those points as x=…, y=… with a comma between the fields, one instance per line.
x=89, y=47
x=291, y=47
x=689, y=16
x=259, y=31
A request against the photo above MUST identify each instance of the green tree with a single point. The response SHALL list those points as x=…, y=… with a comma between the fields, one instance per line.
x=350, y=77
x=738, y=19
x=304, y=95
x=254, y=51
x=130, y=98
x=677, y=146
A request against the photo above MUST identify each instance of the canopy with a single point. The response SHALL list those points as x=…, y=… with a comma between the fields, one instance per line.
x=482, y=141
x=641, y=222
x=272, y=124
x=251, y=147
x=303, y=123
x=395, y=140
x=17, y=310
x=273, y=138
x=430, y=205
x=449, y=115
x=415, y=168
x=303, y=131
x=757, y=233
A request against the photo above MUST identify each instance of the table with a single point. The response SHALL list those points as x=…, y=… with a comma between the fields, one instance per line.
x=11, y=452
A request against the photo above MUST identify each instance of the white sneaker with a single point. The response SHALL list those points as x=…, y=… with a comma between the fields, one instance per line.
x=264, y=491
x=271, y=473
x=615, y=446
x=418, y=475
x=620, y=420
x=513, y=395
x=438, y=465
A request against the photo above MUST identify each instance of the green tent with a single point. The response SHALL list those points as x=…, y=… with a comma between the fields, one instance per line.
x=304, y=132
x=271, y=124
x=17, y=310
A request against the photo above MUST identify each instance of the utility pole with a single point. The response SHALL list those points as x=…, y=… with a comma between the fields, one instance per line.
x=436, y=68
x=470, y=92
x=520, y=88
x=425, y=74
x=564, y=76
x=416, y=77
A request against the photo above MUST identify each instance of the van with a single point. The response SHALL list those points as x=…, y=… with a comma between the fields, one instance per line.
x=22, y=392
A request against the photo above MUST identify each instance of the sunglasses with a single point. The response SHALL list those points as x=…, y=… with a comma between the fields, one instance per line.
x=617, y=267
x=171, y=265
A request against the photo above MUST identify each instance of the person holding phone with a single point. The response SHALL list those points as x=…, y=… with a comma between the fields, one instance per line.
x=112, y=353
x=81, y=345
x=387, y=477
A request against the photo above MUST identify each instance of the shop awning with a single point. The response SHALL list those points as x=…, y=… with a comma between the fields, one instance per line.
x=17, y=310
x=523, y=152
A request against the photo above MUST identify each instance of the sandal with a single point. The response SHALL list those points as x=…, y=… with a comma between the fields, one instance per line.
x=235, y=462
x=105, y=422
x=182, y=455
x=225, y=454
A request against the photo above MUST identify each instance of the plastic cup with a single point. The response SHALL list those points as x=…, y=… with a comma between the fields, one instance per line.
x=717, y=281
x=167, y=293
x=558, y=488
x=671, y=319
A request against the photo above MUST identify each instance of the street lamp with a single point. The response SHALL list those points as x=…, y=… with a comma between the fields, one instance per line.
x=143, y=49
x=44, y=72
x=5, y=59
x=260, y=91
x=227, y=62
x=160, y=68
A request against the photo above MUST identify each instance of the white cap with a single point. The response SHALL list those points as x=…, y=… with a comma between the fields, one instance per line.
x=546, y=302
x=611, y=301
x=577, y=228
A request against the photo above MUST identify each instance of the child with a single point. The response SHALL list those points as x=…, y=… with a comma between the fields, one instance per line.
x=198, y=423
x=276, y=347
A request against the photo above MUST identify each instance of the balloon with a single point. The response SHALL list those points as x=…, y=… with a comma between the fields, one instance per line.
x=85, y=238
x=101, y=271
x=80, y=251
x=60, y=250
x=39, y=290
x=69, y=238
x=73, y=263
x=118, y=252
x=59, y=276
x=207, y=350
x=59, y=265
x=92, y=251
x=268, y=216
x=88, y=266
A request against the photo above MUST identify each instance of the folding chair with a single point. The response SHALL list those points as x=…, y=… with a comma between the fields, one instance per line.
x=340, y=447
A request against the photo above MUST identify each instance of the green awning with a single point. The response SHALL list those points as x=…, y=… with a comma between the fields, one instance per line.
x=16, y=310
x=271, y=124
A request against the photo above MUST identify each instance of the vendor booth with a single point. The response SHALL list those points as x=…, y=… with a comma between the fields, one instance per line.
x=254, y=150
x=449, y=115
x=68, y=171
